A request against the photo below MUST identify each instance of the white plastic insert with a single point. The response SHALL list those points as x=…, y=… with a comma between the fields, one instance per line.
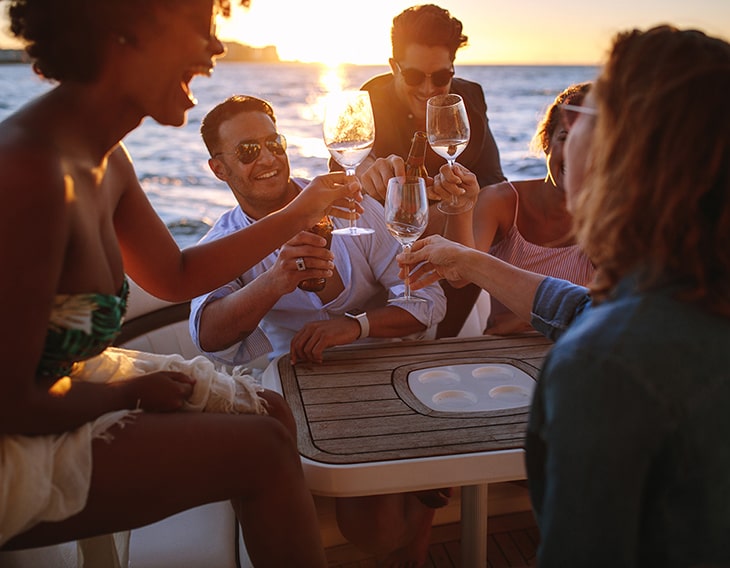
x=472, y=388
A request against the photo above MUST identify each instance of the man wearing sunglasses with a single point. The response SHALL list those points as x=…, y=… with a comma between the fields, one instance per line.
x=425, y=40
x=264, y=312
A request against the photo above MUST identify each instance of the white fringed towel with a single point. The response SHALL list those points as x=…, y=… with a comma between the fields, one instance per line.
x=214, y=391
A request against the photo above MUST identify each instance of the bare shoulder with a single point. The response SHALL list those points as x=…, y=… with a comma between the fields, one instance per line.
x=527, y=188
x=120, y=177
x=493, y=214
x=33, y=172
x=120, y=162
x=496, y=200
x=37, y=196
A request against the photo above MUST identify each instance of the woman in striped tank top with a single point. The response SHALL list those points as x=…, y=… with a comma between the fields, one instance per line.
x=526, y=223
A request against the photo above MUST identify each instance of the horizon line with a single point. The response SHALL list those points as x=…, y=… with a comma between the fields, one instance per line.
x=465, y=64
x=323, y=63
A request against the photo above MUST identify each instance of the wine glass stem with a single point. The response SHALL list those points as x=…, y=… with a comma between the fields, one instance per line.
x=407, y=279
x=453, y=200
x=351, y=172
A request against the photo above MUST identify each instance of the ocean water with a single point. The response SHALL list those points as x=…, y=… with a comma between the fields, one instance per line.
x=171, y=163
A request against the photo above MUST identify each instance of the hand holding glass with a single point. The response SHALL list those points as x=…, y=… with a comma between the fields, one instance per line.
x=349, y=134
x=406, y=216
x=447, y=126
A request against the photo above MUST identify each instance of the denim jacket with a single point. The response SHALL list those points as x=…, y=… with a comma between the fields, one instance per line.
x=628, y=444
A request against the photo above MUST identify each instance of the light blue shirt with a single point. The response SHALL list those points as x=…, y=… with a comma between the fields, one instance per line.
x=369, y=274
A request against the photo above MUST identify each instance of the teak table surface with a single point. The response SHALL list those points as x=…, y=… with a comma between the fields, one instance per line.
x=357, y=407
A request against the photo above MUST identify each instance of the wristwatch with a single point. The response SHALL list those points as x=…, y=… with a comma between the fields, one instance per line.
x=362, y=318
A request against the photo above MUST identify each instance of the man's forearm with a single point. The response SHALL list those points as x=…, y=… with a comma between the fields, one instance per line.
x=228, y=320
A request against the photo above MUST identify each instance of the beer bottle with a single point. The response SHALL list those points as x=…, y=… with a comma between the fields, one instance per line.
x=324, y=229
x=416, y=162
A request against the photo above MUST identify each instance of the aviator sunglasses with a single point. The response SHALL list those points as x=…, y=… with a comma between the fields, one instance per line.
x=414, y=77
x=247, y=152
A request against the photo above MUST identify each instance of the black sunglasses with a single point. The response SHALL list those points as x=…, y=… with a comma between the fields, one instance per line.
x=247, y=152
x=414, y=77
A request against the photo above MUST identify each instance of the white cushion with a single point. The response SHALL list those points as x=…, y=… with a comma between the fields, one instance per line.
x=203, y=536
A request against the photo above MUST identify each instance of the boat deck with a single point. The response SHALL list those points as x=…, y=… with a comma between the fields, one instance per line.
x=512, y=543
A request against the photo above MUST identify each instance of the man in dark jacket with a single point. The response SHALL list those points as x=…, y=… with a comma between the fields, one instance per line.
x=425, y=40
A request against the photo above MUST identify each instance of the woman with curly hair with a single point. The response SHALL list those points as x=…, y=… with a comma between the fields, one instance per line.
x=80, y=455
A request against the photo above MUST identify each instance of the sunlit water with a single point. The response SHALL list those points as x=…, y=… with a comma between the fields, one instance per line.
x=172, y=162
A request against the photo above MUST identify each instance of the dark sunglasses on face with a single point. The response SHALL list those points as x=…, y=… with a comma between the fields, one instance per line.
x=414, y=77
x=247, y=152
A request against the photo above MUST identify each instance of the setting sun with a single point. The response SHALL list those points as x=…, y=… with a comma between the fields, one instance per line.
x=314, y=31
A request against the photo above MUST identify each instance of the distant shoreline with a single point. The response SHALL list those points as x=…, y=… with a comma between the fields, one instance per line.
x=13, y=56
x=240, y=53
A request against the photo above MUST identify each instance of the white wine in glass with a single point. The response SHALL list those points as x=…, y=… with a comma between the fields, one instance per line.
x=406, y=216
x=349, y=134
x=447, y=126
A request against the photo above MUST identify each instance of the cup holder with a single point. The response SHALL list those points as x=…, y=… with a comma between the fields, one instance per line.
x=439, y=376
x=480, y=387
x=454, y=399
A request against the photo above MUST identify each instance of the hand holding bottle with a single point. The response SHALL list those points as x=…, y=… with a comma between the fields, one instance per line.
x=303, y=257
x=375, y=180
x=323, y=229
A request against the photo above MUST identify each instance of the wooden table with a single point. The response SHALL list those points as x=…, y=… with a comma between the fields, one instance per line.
x=363, y=432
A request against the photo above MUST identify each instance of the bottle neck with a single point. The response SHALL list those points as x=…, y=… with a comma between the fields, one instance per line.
x=415, y=163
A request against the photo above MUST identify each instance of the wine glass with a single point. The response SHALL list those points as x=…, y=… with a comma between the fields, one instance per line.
x=406, y=216
x=349, y=134
x=447, y=126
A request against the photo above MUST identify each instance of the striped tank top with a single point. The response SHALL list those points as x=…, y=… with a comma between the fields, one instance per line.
x=568, y=263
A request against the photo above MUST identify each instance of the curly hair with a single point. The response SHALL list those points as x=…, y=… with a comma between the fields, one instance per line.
x=232, y=106
x=573, y=95
x=657, y=199
x=65, y=38
x=429, y=25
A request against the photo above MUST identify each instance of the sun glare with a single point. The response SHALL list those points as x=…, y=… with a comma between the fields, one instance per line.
x=317, y=31
x=332, y=78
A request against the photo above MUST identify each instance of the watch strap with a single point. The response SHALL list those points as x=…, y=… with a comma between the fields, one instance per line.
x=364, y=325
x=363, y=321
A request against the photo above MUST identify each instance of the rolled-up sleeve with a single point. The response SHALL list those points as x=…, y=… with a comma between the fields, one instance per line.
x=256, y=344
x=240, y=353
x=556, y=305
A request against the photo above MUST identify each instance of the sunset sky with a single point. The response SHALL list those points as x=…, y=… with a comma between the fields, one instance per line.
x=503, y=31
x=500, y=31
